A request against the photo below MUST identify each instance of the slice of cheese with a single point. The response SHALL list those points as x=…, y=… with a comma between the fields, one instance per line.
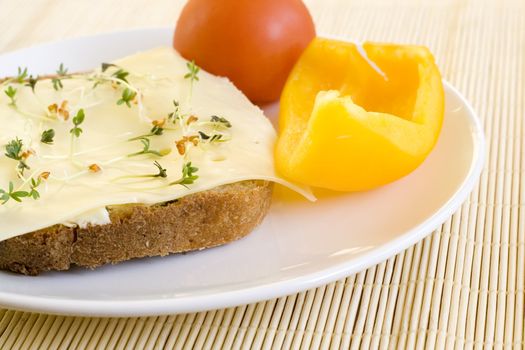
x=75, y=195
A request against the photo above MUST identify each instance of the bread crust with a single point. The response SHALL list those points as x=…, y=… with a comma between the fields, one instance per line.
x=198, y=221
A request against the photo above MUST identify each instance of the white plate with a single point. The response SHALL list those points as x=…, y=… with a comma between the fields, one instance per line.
x=300, y=245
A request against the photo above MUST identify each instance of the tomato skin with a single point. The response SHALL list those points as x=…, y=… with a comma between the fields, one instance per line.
x=254, y=43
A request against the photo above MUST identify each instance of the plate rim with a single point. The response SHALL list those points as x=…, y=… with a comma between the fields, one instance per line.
x=265, y=291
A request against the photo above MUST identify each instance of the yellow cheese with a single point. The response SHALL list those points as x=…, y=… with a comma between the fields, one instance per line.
x=75, y=195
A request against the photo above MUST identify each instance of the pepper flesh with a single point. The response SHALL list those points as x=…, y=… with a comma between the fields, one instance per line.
x=357, y=117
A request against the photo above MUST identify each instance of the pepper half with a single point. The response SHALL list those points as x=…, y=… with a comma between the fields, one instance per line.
x=355, y=117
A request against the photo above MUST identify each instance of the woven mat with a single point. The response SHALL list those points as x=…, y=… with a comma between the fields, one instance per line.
x=462, y=286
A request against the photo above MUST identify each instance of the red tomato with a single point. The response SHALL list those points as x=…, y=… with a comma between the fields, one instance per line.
x=254, y=43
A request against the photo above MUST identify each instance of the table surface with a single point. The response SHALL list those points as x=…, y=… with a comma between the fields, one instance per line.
x=462, y=286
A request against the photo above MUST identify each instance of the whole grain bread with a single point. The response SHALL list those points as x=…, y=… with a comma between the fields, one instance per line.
x=198, y=221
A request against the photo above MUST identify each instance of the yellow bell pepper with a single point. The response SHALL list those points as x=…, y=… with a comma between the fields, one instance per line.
x=356, y=117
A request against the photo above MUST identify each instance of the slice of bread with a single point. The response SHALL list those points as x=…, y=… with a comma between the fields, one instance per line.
x=198, y=221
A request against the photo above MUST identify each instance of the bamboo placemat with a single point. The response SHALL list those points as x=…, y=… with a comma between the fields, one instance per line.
x=463, y=286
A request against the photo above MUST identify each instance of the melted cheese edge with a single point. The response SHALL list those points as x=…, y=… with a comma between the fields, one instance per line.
x=74, y=196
